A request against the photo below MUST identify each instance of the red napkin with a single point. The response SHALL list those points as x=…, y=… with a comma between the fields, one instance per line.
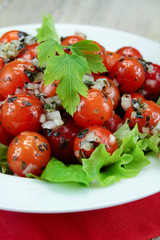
x=139, y=220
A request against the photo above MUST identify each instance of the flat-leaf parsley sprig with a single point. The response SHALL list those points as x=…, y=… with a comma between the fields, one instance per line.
x=68, y=68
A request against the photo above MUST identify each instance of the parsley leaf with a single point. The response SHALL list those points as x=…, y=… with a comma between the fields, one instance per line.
x=47, y=29
x=70, y=69
x=48, y=48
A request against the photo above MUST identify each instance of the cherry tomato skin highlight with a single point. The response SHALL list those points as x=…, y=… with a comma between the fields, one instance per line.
x=95, y=109
x=12, y=35
x=111, y=59
x=49, y=90
x=129, y=73
x=146, y=117
x=129, y=52
x=62, y=140
x=88, y=139
x=29, y=152
x=21, y=113
x=14, y=75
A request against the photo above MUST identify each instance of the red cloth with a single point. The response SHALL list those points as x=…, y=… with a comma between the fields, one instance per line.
x=139, y=220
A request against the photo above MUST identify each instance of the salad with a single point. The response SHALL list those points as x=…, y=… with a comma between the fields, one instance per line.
x=73, y=111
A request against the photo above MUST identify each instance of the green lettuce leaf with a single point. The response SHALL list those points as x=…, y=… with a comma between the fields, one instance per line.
x=125, y=162
x=56, y=171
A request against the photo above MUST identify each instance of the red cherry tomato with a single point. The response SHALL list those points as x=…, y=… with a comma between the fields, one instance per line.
x=14, y=75
x=69, y=40
x=62, y=140
x=101, y=52
x=49, y=90
x=21, y=113
x=111, y=59
x=29, y=52
x=129, y=52
x=129, y=73
x=151, y=86
x=12, y=35
x=29, y=152
x=2, y=63
x=114, y=123
x=5, y=137
x=89, y=138
x=95, y=109
x=111, y=89
x=146, y=114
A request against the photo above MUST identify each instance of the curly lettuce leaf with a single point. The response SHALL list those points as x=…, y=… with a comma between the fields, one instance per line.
x=125, y=162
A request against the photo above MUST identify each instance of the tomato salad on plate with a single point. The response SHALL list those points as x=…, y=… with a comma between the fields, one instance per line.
x=72, y=110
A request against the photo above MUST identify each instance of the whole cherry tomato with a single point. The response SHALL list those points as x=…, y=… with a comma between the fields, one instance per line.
x=12, y=35
x=129, y=73
x=95, y=109
x=129, y=52
x=144, y=113
x=111, y=59
x=89, y=138
x=21, y=113
x=29, y=152
x=62, y=140
x=5, y=137
x=114, y=123
x=29, y=52
x=110, y=88
x=69, y=40
x=151, y=86
x=14, y=75
x=49, y=90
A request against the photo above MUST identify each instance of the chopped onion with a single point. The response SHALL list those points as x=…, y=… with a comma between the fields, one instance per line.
x=43, y=118
x=156, y=128
x=126, y=101
x=145, y=130
x=112, y=139
x=30, y=168
x=53, y=115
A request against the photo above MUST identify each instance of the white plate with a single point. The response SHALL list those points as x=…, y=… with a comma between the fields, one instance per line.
x=30, y=195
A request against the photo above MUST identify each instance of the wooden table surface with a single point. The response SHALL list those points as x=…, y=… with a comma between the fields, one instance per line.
x=141, y=17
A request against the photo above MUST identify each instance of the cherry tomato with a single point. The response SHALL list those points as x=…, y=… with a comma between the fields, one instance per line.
x=21, y=113
x=146, y=114
x=129, y=52
x=2, y=63
x=111, y=59
x=29, y=52
x=114, y=123
x=89, y=138
x=62, y=140
x=14, y=75
x=111, y=89
x=129, y=73
x=69, y=40
x=29, y=152
x=101, y=52
x=95, y=109
x=5, y=137
x=151, y=86
x=12, y=35
x=49, y=90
